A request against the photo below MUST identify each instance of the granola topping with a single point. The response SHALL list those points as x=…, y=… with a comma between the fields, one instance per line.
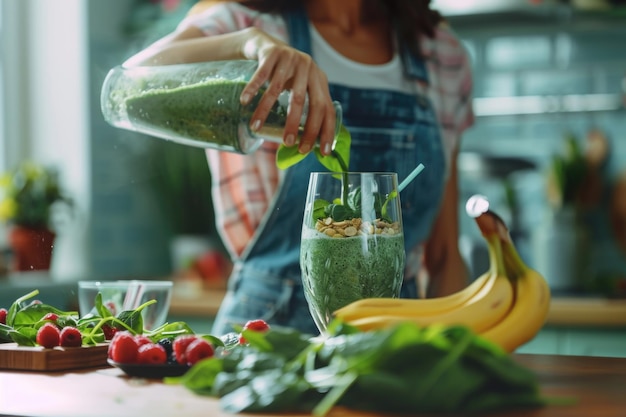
x=356, y=227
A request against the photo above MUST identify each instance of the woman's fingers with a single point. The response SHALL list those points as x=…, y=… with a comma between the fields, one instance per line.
x=297, y=103
x=281, y=66
x=320, y=121
x=327, y=135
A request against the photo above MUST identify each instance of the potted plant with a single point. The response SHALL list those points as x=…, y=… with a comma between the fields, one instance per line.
x=560, y=241
x=30, y=195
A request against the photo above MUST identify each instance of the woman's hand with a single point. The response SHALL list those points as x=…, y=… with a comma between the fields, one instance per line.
x=284, y=67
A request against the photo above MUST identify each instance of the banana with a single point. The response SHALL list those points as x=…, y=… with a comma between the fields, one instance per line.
x=486, y=308
x=528, y=315
x=532, y=293
x=403, y=307
x=507, y=305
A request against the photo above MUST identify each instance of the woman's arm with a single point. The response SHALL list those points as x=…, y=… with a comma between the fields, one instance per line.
x=280, y=67
x=446, y=269
x=191, y=45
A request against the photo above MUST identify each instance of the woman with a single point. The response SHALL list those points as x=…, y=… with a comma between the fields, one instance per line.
x=404, y=83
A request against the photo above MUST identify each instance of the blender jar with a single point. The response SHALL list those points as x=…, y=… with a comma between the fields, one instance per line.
x=194, y=104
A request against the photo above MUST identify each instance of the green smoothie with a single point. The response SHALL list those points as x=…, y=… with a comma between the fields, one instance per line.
x=209, y=111
x=337, y=271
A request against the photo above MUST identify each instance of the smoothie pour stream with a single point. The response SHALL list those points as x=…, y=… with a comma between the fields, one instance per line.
x=193, y=104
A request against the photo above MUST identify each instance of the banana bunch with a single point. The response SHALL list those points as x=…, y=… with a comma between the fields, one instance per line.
x=507, y=305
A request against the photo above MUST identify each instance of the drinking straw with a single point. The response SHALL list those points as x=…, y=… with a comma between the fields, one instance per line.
x=135, y=291
x=411, y=177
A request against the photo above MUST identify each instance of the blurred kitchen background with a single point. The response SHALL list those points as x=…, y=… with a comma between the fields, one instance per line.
x=549, y=101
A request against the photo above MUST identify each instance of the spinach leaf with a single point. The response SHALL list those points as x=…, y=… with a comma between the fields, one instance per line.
x=337, y=161
x=24, y=336
x=100, y=308
x=25, y=318
x=17, y=306
x=5, y=333
x=403, y=369
x=339, y=212
x=31, y=314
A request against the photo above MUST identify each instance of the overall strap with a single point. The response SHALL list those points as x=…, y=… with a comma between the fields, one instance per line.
x=414, y=66
x=298, y=29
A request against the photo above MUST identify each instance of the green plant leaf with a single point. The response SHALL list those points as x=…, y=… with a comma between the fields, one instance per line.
x=338, y=161
x=339, y=212
x=287, y=156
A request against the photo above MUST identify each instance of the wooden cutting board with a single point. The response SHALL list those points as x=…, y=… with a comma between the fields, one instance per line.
x=59, y=358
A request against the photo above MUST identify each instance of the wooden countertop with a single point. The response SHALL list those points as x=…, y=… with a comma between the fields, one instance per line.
x=596, y=384
x=587, y=312
x=564, y=311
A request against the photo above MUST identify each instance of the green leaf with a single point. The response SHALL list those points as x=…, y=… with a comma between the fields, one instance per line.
x=287, y=156
x=133, y=319
x=339, y=159
x=339, y=212
x=354, y=199
x=5, y=333
x=271, y=391
x=383, y=210
x=406, y=369
x=17, y=306
x=100, y=308
x=319, y=209
x=171, y=330
x=33, y=313
x=24, y=336
x=201, y=377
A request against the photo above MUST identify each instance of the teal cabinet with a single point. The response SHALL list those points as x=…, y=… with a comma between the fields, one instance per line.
x=578, y=341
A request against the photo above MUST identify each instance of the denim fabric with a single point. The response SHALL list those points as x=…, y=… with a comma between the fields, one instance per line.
x=391, y=131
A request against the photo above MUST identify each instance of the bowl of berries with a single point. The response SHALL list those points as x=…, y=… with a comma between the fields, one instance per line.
x=139, y=355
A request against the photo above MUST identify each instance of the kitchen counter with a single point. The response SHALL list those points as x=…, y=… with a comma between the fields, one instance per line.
x=578, y=325
x=572, y=311
x=564, y=311
x=587, y=312
x=596, y=385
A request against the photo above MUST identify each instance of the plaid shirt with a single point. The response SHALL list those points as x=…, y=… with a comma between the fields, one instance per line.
x=244, y=185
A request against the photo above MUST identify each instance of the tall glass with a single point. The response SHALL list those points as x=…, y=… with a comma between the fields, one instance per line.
x=352, y=241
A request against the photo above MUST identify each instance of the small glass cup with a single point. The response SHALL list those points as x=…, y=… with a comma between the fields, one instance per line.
x=352, y=241
x=123, y=295
x=194, y=104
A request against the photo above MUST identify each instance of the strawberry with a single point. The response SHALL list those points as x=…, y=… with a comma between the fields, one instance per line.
x=123, y=348
x=142, y=340
x=3, y=315
x=48, y=336
x=180, y=346
x=256, y=326
x=71, y=337
x=197, y=350
x=109, y=331
x=151, y=353
x=50, y=317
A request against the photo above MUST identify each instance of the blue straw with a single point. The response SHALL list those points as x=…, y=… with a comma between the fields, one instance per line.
x=411, y=177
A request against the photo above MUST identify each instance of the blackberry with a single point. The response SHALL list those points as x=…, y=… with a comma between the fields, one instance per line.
x=167, y=345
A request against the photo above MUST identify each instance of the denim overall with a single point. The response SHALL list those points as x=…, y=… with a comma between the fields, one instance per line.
x=390, y=131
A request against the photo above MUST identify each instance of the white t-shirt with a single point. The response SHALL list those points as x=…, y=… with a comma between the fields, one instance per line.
x=344, y=71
